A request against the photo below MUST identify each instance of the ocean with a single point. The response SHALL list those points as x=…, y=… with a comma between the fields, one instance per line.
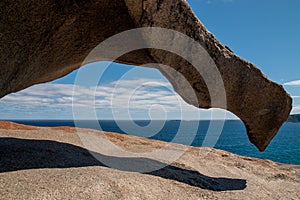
x=284, y=148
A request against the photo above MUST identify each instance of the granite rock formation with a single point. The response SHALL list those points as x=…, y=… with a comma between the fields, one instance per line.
x=42, y=41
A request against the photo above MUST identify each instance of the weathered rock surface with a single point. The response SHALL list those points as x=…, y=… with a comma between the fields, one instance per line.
x=42, y=41
x=52, y=163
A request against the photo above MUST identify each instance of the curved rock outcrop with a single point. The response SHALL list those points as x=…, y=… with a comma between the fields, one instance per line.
x=42, y=41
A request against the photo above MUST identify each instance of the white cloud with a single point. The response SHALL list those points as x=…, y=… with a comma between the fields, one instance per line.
x=293, y=83
x=296, y=109
x=138, y=96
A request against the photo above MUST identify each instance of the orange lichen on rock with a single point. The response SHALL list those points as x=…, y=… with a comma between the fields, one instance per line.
x=116, y=136
x=14, y=126
x=67, y=129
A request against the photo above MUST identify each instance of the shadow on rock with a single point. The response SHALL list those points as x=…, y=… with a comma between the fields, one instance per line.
x=19, y=154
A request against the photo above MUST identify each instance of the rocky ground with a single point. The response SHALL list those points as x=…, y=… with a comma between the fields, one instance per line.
x=53, y=163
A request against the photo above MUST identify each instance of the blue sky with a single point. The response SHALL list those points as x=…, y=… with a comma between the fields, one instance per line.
x=266, y=32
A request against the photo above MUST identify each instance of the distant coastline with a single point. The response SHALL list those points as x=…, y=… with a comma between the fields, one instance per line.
x=294, y=118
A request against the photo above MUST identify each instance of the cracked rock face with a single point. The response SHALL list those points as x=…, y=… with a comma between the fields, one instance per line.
x=42, y=41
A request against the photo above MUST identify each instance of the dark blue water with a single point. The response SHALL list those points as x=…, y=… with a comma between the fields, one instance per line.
x=284, y=148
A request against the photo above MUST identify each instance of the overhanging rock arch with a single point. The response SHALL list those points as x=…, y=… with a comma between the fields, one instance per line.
x=42, y=41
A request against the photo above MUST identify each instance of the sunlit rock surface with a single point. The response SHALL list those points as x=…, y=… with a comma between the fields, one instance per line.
x=52, y=163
